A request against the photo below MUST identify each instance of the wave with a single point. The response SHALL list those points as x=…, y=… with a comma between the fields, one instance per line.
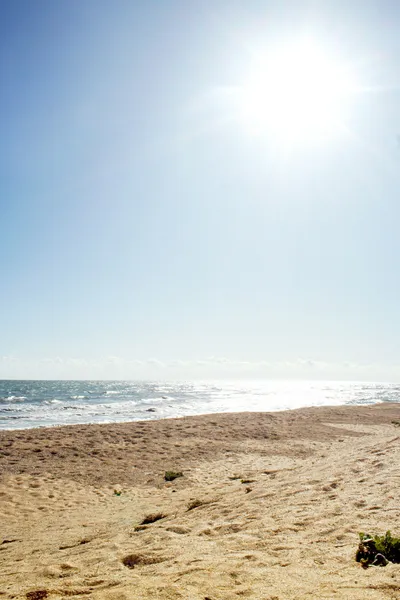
x=159, y=399
x=13, y=399
x=13, y=417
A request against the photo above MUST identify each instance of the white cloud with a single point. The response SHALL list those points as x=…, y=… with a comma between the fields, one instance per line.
x=179, y=363
x=156, y=363
x=52, y=361
x=78, y=362
x=117, y=367
x=113, y=359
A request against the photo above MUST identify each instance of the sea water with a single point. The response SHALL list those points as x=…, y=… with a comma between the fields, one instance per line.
x=25, y=404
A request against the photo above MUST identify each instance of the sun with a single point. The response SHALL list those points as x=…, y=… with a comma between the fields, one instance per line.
x=296, y=93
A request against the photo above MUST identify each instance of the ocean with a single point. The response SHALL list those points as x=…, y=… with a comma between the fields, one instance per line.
x=26, y=404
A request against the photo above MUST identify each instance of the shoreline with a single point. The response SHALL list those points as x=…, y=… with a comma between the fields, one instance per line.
x=50, y=403
x=277, y=501
x=195, y=415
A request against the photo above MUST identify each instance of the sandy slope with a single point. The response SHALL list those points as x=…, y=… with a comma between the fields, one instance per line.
x=315, y=477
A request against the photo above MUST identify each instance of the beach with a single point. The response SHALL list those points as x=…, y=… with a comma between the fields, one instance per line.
x=269, y=506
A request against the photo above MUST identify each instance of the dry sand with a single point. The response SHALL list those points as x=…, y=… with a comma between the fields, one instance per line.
x=281, y=498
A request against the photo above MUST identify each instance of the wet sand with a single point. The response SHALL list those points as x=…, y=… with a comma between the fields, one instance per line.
x=269, y=507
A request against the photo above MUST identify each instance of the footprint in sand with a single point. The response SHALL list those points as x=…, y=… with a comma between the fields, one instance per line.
x=178, y=529
x=60, y=571
x=37, y=594
x=138, y=560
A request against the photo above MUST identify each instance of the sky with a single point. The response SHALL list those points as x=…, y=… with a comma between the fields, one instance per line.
x=155, y=225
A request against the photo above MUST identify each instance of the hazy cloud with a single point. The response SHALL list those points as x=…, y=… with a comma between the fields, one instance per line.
x=156, y=363
x=52, y=361
x=8, y=359
x=118, y=367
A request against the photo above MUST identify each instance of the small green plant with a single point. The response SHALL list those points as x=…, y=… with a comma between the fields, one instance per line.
x=171, y=475
x=378, y=550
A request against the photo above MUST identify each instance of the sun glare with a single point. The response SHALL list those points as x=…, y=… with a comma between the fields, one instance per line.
x=296, y=93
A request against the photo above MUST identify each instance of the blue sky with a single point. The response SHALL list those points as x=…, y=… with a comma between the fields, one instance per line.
x=145, y=232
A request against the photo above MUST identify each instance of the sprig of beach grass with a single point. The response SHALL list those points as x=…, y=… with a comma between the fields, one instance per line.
x=378, y=550
x=171, y=475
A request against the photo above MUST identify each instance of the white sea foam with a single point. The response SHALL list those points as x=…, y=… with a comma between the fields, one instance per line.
x=156, y=400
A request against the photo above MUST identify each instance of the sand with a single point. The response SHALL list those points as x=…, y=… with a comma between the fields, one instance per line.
x=279, y=499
